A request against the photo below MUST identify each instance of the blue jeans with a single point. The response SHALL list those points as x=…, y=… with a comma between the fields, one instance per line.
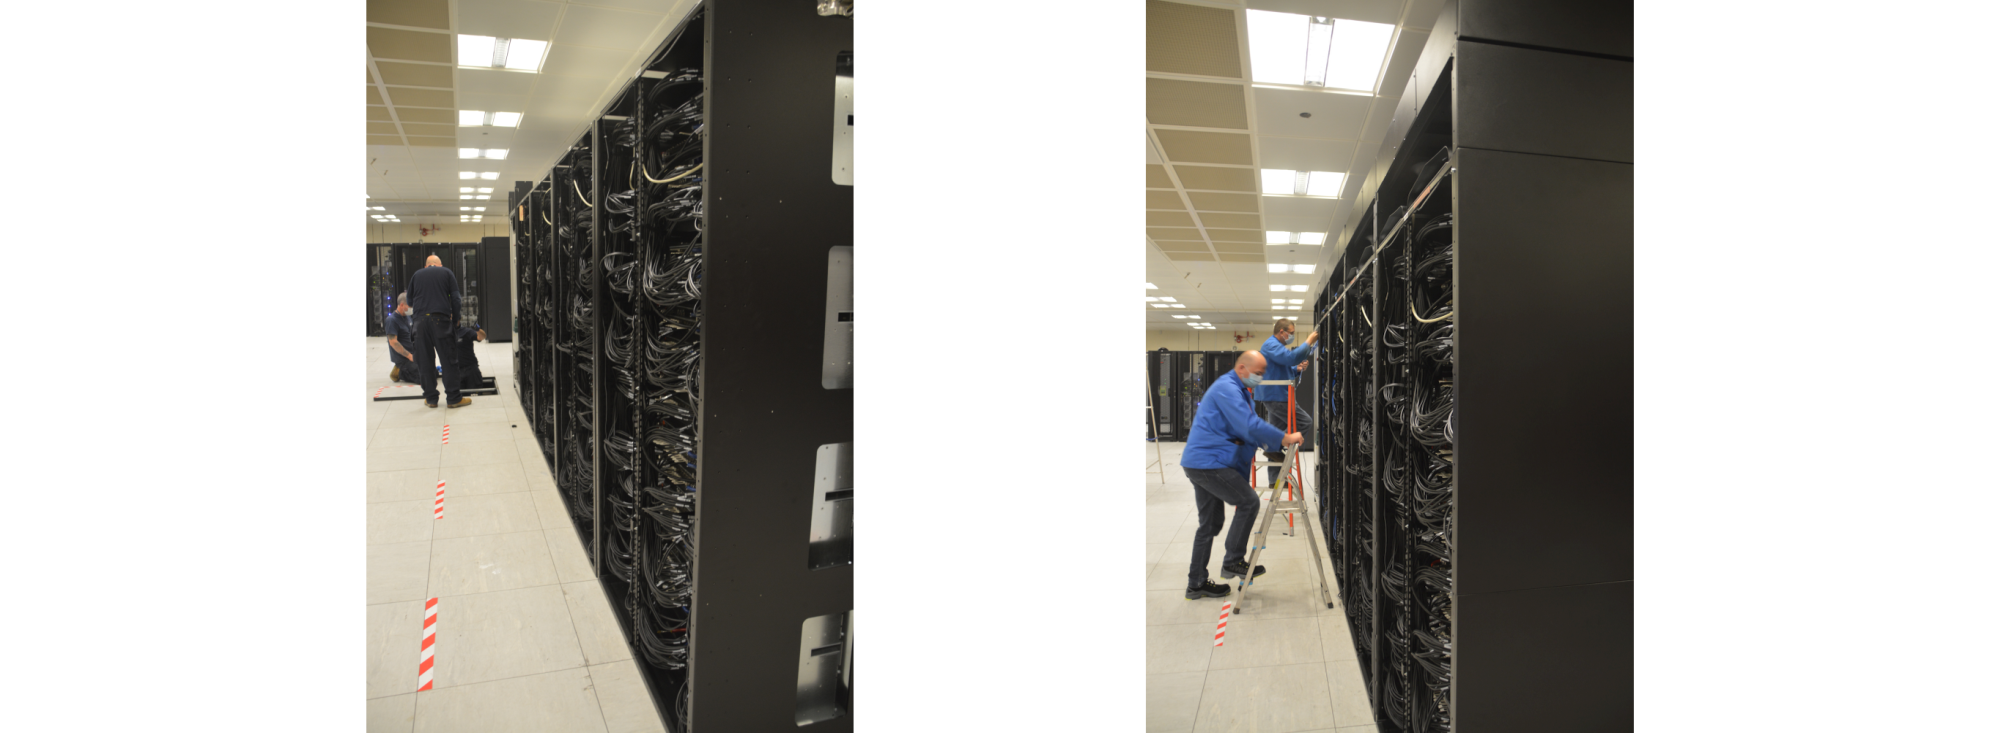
x=1274, y=413
x=1214, y=487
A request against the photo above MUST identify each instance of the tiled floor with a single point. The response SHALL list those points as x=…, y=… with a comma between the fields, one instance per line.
x=1286, y=664
x=525, y=638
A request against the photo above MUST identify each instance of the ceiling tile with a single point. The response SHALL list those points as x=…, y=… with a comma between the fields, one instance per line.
x=1313, y=209
x=1237, y=235
x=583, y=25
x=494, y=81
x=1156, y=177
x=1182, y=246
x=1191, y=256
x=1233, y=257
x=1231, y=221
x=390, y=43
x=434, y=142
x=433, y=116
x=382, y=128
x=1170, y=233
x=419, y=13
x=414, y=75
x=375, y=95
x=529, y=19
x=1164, y=200
x=1241, y=247
x=1185, y=39
x=1196, y=104
x=378, y=114
x=1334, y=116
x=486, y=137
x=1155, y=218
x=384, y=140
x=1290, y=153
x=1152, y=156
x=1223, y=202
x=598, y=63
x=411, y=128
x=407, y=97
x=1183, y=146
x=1280, y=223
x=1217, y=179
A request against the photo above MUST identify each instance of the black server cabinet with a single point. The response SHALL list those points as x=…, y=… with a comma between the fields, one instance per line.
x=1478, y=475
x=700, y=214
x=1165, y=383
x=496, y=308
x=382, y=288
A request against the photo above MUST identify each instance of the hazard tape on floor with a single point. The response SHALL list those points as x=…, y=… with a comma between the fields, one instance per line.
x=447, y=435
x=378, y=393
x=437, y=507
x=429, y=649
x=1222, y=624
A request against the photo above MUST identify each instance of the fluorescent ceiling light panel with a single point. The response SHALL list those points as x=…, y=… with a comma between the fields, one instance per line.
x=486, y=190
x=1276, y=301
x=490, y=176
x=1277, y=307
x=1277, y=46
x=482, y=197
x=1178, y=316
x=1322, y=183
x=476, y=50
x=1312, y=237
x=464, y=153
x=1194, y=316
x=1276, y=182
x=1277, y=288
x=1355, y=58
x=1296, y=301
x=1179, y=305
x=1276, y=317
x=1150, y=286
x=378, y=208
x=465, y=197
x=506, y=119
x=478, y=208
x=499, y=154
x=487, y=52
x=462, y=175
x=465, y=190
x=465, y=208
x=1293, y=307
x=1159, y=305
x=1165, y=299
x=1298, y=288
x=471, y=118
x=1277, y=237
x=527, y=55
x=1304, y=269
x=1275, y=267
x=1319, y=45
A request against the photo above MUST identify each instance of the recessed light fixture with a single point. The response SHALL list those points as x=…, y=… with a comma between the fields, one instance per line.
x=1275, y=301
x=1280, y=182
x=1294, y=307
x=1180, y=316
x=1295, y=237
x=1194, y=316
x=1179, y=305
x=512, y=54
x=465, y=197
x=1312, y=237
x=1304, y=269
x=1276, y=317
x=476, y=118
x=1316, y=51
x=464, y=208
x=378, y=208
x=1298, y=288
x=490, y=176
x=1166, y=299
x=482, y=197
x=1277, y=288
x=467, y=189
x=1295, y=301
x=1159, y=305
x=1277, y=307
x=501, y=154
x=462, y=175
x=486, y=190
x=478, y=208
x=1150, y=286
x=1275, y=267
x=489, y=154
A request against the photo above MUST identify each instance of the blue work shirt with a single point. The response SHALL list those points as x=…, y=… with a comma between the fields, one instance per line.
x=1226, y=414
x=434, y=290
x=405, y=333
x=1280, y=363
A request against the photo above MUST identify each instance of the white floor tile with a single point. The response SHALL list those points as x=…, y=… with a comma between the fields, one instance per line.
x=469, y=516
x=1252, y=642
x=1179, y=648
x=597, y=630
x=398, y=572
x=554, y=701
x=1171, y=701
x=484, y=479
x=475, y=453
x=1291, y=698
x=395, y=714
x=418, y=484
x=399, y=521
x=487, y=563
x=511, y=633
x=395, y=636
x=628, y=708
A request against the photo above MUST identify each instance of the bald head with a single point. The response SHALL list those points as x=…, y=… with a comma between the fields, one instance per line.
x=1249, y=363
x=433, y=261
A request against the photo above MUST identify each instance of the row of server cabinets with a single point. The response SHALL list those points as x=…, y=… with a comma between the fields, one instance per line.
x=686, y=318
x=481, y=268
x=1476, y=482
x=1179, y=379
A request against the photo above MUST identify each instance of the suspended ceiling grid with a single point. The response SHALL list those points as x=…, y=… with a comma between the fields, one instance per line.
x=1209, y=130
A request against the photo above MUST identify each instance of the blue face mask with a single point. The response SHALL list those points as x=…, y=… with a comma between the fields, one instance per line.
x=1253, y=380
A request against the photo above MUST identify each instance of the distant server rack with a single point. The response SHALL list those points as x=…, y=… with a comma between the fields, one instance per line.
x=704, y=457
x=382, y=288
x=1476, y=479
x=481, y=269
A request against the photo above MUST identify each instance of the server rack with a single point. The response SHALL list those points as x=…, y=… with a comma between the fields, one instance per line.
x=708, y=474
x=479, y=266
x=1479, y=451
x=1161, y=375
x=382, y=288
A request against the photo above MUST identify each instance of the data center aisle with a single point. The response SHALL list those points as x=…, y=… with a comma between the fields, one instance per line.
x=524, y=639
x=1287, y=662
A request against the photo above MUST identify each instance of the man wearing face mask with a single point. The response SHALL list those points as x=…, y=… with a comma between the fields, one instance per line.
x=402, y=337
x=1285, y=364
x=1222, y=444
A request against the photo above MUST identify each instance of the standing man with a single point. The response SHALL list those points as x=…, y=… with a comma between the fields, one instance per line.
x=434, y=297
x=1221, y=447
x=402, y=337
x=1285, y=363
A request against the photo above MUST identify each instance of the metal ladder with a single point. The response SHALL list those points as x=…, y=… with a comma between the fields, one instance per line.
x=1291, y=508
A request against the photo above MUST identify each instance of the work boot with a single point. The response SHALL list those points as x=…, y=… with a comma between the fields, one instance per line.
x=428, y=403
x=1237, y=570
x=395, y=374
x=1208, y=589
x=462, y=402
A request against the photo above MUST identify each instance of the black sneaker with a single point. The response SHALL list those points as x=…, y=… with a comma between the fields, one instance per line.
x=1237, y=570
x=1207, y=590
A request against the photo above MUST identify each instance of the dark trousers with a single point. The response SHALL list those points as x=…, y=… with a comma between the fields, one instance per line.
x=434, y=340
x=1274, y=413
x=404, y=368
x=1214, y=487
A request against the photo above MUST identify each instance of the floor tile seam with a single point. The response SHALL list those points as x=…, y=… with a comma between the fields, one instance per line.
x=435, y=686
x=558, y=586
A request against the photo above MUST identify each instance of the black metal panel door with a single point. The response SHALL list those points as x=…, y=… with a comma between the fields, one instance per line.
x=1548, y=659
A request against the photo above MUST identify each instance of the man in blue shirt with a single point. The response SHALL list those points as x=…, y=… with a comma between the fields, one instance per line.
x=1285, y=363
x=402, y=337
x=1222, y=444
x=434, y=298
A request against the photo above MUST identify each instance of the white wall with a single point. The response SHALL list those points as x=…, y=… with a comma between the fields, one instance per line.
x=1220, y=339
x=395, y=233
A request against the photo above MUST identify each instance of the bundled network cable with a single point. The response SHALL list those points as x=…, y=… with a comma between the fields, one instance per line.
x=1427, y=283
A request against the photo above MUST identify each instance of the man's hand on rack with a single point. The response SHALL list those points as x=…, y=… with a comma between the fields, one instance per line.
x=1312, y=339
x=1295, y=439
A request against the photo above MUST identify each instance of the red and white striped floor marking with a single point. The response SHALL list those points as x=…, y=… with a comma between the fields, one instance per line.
x=437, y=508
x=1222, y=624
x=447, y=435
x=430, y=640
